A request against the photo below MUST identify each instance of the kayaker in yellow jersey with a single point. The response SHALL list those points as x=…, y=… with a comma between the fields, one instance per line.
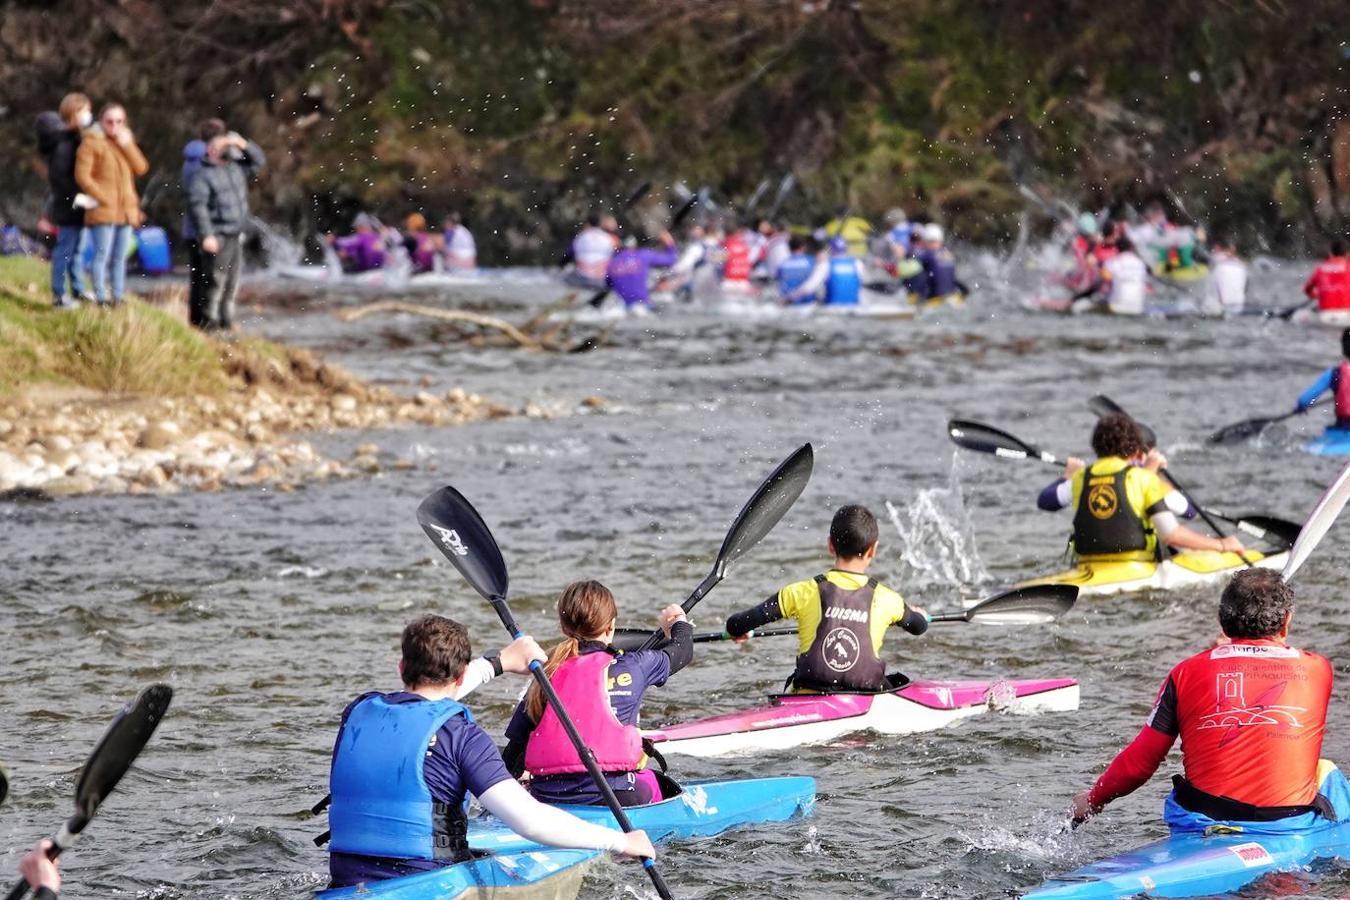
x=1127, y=506
x=853, y=229
x=842, y=615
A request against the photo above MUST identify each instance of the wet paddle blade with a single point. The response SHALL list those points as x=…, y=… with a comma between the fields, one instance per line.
x=460, y=533
x=1319, y=522
x=1104, y=406
x=638, y=193
x=766, y=508
x=1241, y=431
x=983, y=438
x=1279, y=533
x=1035, y=605
x=4, y=785
x=683, y=212
x=121, y=744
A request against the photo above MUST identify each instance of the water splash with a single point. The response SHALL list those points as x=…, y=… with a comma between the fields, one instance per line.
x=280, y=249
x=938, y=538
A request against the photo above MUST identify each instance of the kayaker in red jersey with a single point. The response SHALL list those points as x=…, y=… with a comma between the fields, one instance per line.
x=1250, y=713
x=602, y=688
x=1335, y=379
x=842, y=615
x=1329, y=284
x=405, y=761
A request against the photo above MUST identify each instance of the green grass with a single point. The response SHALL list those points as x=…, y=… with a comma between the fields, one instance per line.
x=135, y=349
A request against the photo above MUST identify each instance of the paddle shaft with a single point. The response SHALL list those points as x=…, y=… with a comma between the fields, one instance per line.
x=1201, y=511
x=585, y=753
x=690, y=602
x=61, y=841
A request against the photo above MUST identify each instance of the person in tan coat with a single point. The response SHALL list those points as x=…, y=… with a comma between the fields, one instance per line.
x=106, y=168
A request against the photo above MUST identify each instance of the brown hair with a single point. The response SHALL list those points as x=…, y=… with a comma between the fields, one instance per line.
x=1254, y=604
x=1117, y=435
x=72, y=103
x=435, y=650
x=585, y=610
x=109, y=107
x=210, y=128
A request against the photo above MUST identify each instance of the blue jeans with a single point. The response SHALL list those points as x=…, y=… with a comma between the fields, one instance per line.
x=68, y=261
x=110, y=252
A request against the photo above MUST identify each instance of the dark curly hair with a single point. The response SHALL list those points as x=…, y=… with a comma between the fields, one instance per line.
x=1254, y=604
x=1117, y=435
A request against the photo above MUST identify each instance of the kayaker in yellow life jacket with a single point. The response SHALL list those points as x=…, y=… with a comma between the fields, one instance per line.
x=842, y=615
x=1126, y=505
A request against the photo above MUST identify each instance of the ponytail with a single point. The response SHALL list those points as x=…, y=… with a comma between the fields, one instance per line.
x=585, y=611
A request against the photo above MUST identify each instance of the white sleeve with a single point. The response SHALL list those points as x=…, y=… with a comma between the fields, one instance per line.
x=1176, y=503
x=815, y=281
x=1064, y=493
x=476, y=674
x=545, y=824
x=1164, y=523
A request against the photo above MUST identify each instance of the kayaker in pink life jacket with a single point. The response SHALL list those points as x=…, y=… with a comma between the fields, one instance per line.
x=602, y=690
x=842, y=616
x=1337, y=380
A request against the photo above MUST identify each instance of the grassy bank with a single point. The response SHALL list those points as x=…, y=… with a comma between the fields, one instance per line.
x=135, y=349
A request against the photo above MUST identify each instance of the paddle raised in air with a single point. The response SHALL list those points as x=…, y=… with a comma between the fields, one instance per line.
x=460, y=533
x=680, y=215
x=770, y=502
x=1318, y=523
x=112, y=757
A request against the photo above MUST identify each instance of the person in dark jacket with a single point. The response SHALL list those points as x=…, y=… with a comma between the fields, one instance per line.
x=194, y=153
x=58, y=136
x=218, y=206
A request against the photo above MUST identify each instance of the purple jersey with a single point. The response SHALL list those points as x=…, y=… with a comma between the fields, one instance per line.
x=629, y=677
x=461, y=759
x=628, y=269
x=361, y=252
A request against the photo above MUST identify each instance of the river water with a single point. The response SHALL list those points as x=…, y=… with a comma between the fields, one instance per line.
x=267, y=612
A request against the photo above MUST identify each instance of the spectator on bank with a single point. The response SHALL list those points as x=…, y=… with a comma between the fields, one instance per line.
x=106, y=168
x=194, y=152
x=58, y=135
x=218, y=205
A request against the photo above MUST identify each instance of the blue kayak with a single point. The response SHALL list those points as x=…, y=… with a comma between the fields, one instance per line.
x=701, y=809
x=1333, y=442
x=538, y=873
x=1192, y=865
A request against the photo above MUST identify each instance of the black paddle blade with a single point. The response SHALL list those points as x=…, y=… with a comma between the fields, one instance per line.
x=4, y=785
x=460, y=533
x=1035, y=605
x=118, y=749
x=987, y=439
x=638, y=193
x=1268, y=528
x=683, y=212
x=770, y=502
x=1103, y=406
x=1241, y=431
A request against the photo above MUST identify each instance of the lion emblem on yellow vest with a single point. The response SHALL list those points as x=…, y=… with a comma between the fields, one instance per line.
x=1102, y=501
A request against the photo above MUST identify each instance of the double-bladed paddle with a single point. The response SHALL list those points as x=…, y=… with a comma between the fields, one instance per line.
x=1032, y=605
x=983, y=438
x=460, y=533
x=112, y=757
x=1104, y=406
x=1318, y=523
x=771, y=500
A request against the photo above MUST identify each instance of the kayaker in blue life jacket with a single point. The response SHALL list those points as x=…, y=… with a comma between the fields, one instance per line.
x=837, y=278
x=1126, y=506
x=842, y=616
x=1251, y=713
x=41, y=872
x=795, y=270
x=603, y=688
x=1337, y=380
x=405, y=762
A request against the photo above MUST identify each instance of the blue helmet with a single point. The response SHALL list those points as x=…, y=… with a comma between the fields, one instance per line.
x=838, y=245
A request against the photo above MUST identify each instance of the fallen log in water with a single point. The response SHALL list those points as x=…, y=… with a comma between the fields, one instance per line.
x=538, y=334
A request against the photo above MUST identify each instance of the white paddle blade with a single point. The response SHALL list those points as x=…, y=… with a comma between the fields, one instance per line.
x=1319, y=522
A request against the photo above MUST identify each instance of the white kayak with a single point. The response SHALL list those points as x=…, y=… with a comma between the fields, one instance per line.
x=792, y=720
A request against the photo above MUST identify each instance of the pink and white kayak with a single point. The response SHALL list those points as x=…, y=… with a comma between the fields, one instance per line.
x=790, y=720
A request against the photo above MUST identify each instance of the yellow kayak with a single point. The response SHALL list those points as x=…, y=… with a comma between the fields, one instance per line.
x=1188, y=569
x=1182, y=273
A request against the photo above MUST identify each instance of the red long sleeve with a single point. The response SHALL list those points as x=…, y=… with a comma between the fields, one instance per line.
x=1132, y=766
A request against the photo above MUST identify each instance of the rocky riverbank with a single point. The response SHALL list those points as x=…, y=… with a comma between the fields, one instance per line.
x=132, y=401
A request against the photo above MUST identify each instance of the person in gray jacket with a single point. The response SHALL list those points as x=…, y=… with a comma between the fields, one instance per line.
x=218, y=207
